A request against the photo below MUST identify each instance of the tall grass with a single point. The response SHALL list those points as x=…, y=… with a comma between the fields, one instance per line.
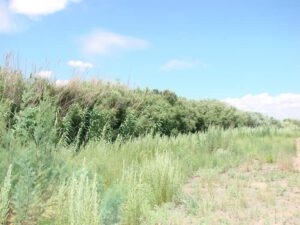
x=5, y=197
x=151, y=184
x=164, y=177
x=139, y=198
x=77, y=202
x=133, y=177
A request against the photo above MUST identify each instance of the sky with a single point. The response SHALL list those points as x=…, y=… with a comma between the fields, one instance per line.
x=245, y=53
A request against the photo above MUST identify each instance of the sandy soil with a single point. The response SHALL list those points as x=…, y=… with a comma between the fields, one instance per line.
x=254, y=193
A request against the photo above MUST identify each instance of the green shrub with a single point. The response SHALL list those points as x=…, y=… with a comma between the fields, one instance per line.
x=129, y=127
x=71, y=124
x=84, y=129
x=111, y=206
x=37, y=123
x=37, y=175
x=25, y=124
x=99, y=121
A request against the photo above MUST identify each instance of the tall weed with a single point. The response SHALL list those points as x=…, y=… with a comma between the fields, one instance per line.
x=78, y=201
x=5, y=195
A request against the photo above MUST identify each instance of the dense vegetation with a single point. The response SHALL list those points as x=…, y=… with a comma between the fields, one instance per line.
x=114, y=178
x=120, y=183
x=35, y=108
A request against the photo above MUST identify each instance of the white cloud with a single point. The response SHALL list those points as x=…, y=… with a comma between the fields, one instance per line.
x=9, y=10
x=60, y=83
x=45, y=74
x=80, y=64
x=38, y=7
x=180, y=64
x=286, y=105
x=104, y=42
x=6, y=20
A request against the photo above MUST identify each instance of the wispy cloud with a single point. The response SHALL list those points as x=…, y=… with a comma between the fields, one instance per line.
x=286, y=105
x=181, y=64
x=78, y=64
x=33, y=8
x=104, y=42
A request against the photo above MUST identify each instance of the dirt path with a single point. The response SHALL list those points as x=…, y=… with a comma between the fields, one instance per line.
x=297, y=157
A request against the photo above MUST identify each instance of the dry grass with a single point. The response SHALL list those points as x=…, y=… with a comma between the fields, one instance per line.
x=296, y=159
x=253, y=193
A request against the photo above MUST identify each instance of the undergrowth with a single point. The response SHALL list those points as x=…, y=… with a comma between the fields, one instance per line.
x=120, y=182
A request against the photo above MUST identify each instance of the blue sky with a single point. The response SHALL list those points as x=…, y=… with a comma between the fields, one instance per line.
x=198, y=49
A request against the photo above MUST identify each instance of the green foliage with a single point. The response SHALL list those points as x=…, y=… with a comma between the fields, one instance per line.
x=77, y=203
x=139, y=174
x=157, y=181
x=99, y=124
x=292, y=124
x=111, y=206
x=45, y=130
x=94, y=110
x=5, y=115
x=139, y=200
x=36, y=124
x=71, y=124
x=5, y=194
x=11, y=85
x=142, y=144
x=37, y=174
x=128, y=127
x=25, y=124
x=84, y=129
x=215, y=139
x=163, y=176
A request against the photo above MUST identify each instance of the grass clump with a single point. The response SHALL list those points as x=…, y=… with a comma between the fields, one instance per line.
x=78, y=202
x=163, y=176
x=157, y=181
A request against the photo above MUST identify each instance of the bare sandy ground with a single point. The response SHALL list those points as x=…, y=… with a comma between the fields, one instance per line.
x=254, y=193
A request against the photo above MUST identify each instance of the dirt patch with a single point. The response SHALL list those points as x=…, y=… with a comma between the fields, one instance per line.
x=266, y=195
x=188, y=189
x=259, y=185
x=252, y=193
